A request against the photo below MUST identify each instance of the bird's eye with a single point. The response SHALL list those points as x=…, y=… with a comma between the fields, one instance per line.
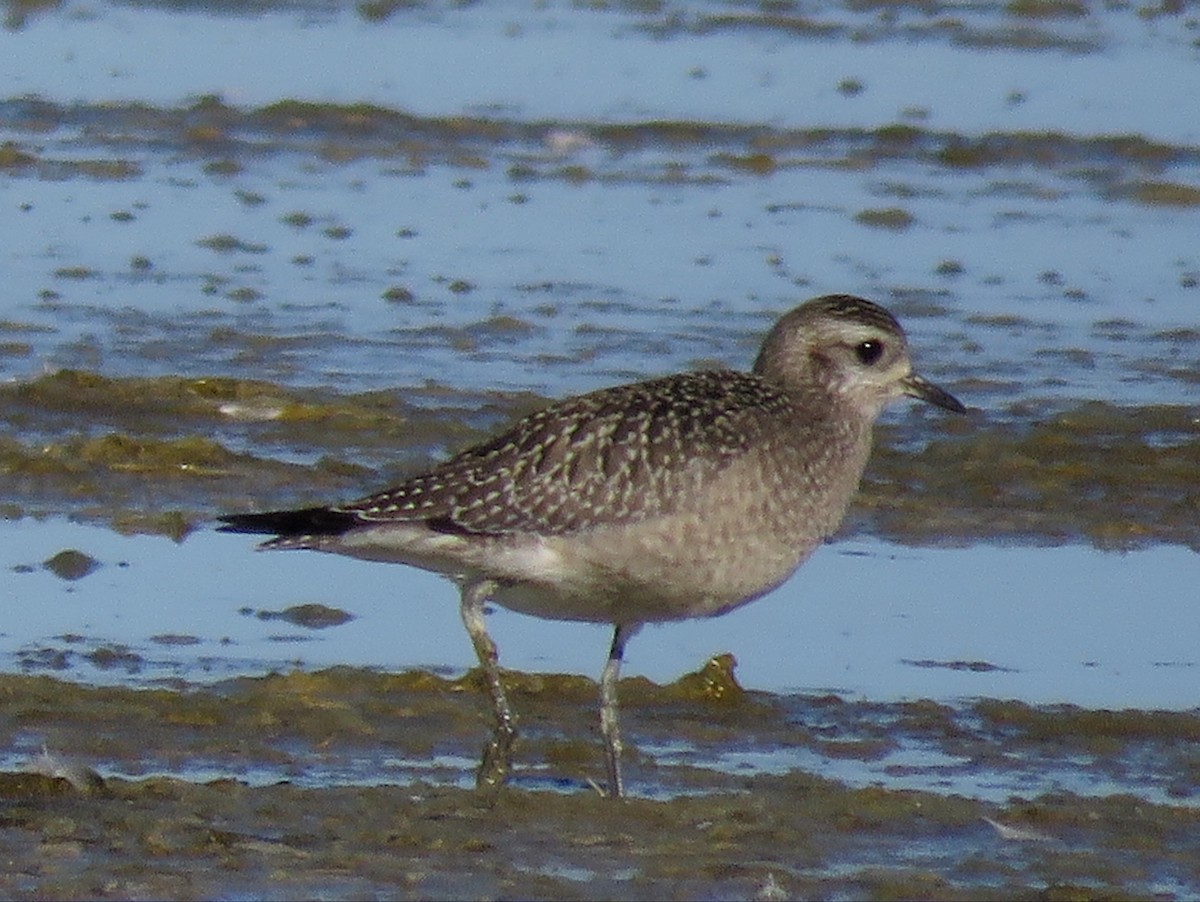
x=868, y=352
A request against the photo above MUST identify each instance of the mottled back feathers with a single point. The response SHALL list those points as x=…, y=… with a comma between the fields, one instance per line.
x=605, y=458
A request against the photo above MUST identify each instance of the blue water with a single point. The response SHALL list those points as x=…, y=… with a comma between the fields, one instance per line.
x=633, y=271
x=863, y=618
x=661, y=257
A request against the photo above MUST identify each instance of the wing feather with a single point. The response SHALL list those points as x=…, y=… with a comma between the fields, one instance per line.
x=613, y=456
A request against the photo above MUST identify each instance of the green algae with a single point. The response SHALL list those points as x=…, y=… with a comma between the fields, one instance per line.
x=312, y=616
x=1046, y=9
x=226, y=138
x=1116, y=477
x=113, y=788
x=894, y=218
x=1063, y=724
x=228, y=244
x=12, y=157
x=714, y=682
x=1168, y=194
x=71, y=564
x=18, y=162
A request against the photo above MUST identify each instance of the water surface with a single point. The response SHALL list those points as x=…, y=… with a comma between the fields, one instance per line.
x=278, y=254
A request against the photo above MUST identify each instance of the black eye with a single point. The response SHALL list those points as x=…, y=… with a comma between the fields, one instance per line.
x=868, y=352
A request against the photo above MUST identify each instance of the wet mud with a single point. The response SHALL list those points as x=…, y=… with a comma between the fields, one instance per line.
x=349, y=783
x=351, y=293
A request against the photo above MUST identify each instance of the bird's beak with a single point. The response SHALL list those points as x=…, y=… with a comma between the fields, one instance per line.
x=923, y=390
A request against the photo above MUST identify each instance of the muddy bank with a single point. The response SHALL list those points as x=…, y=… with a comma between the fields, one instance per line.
x=773, y=838
x=351, y=783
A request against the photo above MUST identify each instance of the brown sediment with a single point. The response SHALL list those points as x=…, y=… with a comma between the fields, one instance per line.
x=284, y=815
x=112, y=803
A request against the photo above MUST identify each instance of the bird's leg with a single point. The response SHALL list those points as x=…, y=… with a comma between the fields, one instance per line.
x=610, y=728
x=497, y=753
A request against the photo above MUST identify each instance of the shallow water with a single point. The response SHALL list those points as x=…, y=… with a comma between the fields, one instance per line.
x=224, y=212
x=874, y=625
x=863, y=619
x=290, y=251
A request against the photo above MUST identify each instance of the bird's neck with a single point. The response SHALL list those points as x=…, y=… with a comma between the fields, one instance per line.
x=831, y=454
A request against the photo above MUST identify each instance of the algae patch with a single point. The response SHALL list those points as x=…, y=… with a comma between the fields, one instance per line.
x=211, y=792
x=71, y=565
x=313, y=616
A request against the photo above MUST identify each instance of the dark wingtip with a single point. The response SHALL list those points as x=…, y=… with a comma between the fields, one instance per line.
x=310, y=521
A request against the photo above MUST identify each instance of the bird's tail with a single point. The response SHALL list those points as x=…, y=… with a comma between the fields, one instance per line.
x=309, y=521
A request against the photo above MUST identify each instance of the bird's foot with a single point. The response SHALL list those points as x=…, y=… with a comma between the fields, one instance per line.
x=496, y=763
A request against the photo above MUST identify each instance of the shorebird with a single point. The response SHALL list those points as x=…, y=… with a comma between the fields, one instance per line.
x=684, y=496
